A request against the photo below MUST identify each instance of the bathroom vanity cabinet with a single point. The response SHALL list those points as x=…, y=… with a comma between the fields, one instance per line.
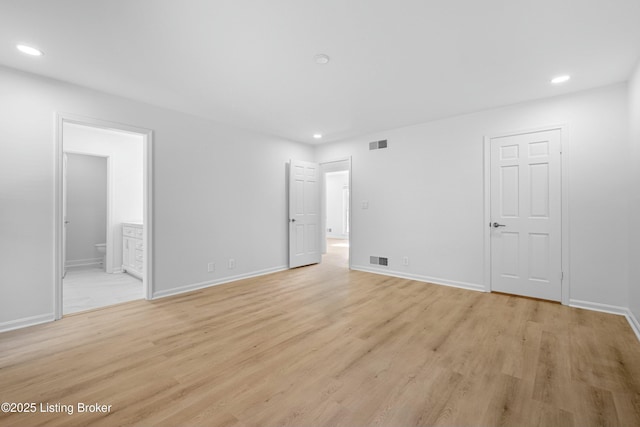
x=132, y=249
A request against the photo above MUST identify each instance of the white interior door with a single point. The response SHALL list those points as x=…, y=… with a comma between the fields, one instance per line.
x=526, y=215
x=304, y=214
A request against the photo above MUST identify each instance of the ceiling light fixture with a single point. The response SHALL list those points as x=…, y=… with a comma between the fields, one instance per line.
x=29, y=50
x=317, y=136
x=321, y=59
x=560, y=79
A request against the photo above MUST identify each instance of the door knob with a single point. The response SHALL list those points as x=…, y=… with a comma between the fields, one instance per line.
x=496, y=225
x=293, y=220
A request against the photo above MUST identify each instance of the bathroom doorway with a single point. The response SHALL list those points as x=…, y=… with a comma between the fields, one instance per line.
x=103, y=211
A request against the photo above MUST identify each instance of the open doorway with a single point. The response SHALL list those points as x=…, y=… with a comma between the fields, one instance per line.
x=336, y=206
x=103, y=200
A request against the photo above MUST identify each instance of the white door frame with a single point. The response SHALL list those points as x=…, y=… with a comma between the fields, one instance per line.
x=564, y=194
x=323, y=203
x=60, y=119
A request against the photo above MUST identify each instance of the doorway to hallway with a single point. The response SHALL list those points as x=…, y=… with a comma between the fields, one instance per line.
x=336, y=210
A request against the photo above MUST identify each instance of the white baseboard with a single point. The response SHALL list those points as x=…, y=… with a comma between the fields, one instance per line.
x=596, y=306
x=338, y=236
x=420, y=278
x=611, y=309
x=82, y=262
x=633, y=322
x=26, y=321
x=207, y=284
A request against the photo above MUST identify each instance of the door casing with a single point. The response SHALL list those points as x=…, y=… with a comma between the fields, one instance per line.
x=147, y=134
x=564, y=189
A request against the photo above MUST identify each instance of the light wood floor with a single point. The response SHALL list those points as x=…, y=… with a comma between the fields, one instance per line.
x=321, y=345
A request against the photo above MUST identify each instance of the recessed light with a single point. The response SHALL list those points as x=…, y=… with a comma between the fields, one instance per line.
x=29, y=50
x=317, y=136
x=560, y=79
x=321, y=58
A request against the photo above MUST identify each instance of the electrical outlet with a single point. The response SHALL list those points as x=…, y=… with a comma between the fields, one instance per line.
x=232, y=263
x=211, y=267
x=405, y=260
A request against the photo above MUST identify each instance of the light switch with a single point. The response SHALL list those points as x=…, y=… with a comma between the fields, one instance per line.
x=365, y=204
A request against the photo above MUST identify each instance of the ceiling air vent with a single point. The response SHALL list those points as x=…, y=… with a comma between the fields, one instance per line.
x=378, y=144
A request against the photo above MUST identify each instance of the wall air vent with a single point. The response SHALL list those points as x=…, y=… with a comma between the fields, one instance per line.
x=378, y=144
x=378, y=260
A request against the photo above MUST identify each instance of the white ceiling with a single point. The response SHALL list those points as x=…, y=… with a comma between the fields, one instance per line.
x=393, y=62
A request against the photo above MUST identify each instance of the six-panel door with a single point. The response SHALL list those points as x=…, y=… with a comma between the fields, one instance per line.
x=526, y=214
x=304, y=214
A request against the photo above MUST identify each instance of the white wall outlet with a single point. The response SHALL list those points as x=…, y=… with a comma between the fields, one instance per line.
x=211, y=267
x=232, y=263
x=365, y=204
x=405, y=260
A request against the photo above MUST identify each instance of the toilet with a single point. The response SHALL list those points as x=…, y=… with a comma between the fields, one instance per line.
x=102, y=250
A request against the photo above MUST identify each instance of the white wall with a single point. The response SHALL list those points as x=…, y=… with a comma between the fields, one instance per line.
x=634, y=194
x=219, y=193
x=425, y=192
x=335, y=182
x=125, y=151
x=86, y=208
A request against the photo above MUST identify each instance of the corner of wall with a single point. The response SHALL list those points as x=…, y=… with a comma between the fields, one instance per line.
x=634, y=198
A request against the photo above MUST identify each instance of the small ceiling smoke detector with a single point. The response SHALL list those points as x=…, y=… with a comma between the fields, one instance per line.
x=29, y=50
x=317, y=136
x=321, y=58
x=560, y=79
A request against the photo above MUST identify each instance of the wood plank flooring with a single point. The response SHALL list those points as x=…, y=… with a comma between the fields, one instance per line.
x=325, y=346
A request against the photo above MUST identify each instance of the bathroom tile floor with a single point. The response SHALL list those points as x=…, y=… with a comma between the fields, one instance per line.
x=89, y=288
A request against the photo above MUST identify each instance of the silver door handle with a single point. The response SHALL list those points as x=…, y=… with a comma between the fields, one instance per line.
x=496, y=225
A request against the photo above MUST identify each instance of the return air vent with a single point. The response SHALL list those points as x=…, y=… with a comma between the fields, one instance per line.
x=378, y=144
x=378, y=260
